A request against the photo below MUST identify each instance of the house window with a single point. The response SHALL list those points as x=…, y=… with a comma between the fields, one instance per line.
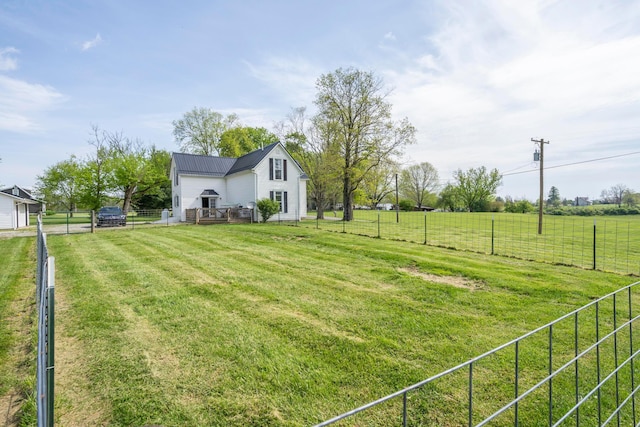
x=176, y=176
x=278, y=169
x=281, y=198
x=176, y=201
x=15, y=191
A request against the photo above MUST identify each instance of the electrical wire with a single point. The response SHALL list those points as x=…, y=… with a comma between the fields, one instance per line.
x=574, y=163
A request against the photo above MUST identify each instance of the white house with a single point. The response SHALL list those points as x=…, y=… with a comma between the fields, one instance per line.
x=219, y=182
x=14, y=209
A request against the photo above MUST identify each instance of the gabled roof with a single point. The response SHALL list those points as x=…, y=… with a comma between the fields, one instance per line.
x=23, y=194
x=194, y=164
x=249, y=161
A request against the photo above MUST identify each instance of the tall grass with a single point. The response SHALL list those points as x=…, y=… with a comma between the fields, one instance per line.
x=267, y=325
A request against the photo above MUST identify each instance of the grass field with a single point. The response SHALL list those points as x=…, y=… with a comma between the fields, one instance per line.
x=565, y=240
x=270, y=325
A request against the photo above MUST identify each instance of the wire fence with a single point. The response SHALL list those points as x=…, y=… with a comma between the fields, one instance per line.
x=611, y=244
x=580, y=369
x=68, y=222
x=45, y=301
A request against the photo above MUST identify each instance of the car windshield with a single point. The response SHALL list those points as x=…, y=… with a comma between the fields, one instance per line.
x=111, y=210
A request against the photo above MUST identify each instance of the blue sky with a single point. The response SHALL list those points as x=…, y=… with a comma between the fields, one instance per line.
x=478, y=79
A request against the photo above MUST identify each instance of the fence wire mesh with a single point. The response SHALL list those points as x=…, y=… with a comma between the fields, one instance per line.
x=580, y=369
x=611, y=244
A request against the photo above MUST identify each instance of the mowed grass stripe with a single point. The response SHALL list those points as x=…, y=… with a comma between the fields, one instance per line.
x=277, y=325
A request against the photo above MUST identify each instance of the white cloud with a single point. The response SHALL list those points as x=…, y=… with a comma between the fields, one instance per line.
x=500, y=73
x=7, y=63
x=293, y=77
x=21, y=102
x=390, y=36
x=90, y=44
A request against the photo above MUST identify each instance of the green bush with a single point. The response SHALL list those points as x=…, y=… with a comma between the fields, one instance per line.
x=406, y=205
x=267, y=208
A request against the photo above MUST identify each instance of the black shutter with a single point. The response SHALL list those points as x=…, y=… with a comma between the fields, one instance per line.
x=284, y=166
x=286, y=204
x=271, y=170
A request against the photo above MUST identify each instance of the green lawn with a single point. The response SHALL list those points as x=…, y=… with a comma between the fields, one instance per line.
x=17, y=330
x=270, y=325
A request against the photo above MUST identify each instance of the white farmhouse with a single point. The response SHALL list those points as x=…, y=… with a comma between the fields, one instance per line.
x=222, y=182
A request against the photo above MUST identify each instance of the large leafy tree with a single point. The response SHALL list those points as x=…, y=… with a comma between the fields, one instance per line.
x=476, y=187
x=310, y=144
x=136, y=169
x=200, y=130
x=96, y=183
x=239, y=141
x=380, y=182
x=353, y=105
x=419, y=183
x=60, y=184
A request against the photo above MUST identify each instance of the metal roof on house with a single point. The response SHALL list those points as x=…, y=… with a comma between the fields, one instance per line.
x=194, y=164
x=209, y=192
x=249, y=161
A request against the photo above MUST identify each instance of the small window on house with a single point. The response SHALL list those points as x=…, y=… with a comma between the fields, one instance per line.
x=15, y=191
x=176, y=201
x=281, y=198
x=277, y=168
x=176, y=176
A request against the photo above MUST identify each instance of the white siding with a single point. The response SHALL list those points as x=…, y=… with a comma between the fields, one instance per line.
x=7, y=213
x=295, y=188
x=191, y=187
x=241, y=189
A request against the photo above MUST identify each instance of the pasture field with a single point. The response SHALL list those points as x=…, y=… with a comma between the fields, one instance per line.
x=565, y=240
x=242, y=325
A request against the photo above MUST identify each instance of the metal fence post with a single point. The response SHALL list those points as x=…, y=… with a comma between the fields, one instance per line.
x=378, y=225
x=492, y=232
x=594, y=244
x=50, y=338
x=425, y=227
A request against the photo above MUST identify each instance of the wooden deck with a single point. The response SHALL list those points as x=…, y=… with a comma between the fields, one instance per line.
x=219, y=215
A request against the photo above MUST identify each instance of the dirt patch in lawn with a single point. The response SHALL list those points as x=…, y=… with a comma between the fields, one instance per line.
x=456, y=281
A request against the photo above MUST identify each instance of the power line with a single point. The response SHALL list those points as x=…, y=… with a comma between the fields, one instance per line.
x=574, y=163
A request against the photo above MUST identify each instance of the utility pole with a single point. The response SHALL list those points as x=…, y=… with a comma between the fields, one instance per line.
x=541, y=143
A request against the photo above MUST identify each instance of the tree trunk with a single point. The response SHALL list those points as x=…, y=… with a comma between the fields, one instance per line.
x=347, y=195
x=128, y=194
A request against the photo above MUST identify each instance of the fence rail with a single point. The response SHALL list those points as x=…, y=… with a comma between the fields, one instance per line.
x=68, y=222
x=592, y=375
x=602, y=244
x=45, y=301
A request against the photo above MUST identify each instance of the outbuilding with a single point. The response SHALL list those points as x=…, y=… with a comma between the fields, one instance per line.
x=14, y=209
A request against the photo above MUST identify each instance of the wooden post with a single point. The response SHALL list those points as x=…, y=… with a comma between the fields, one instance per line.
x=197, y=215
x=93, y=221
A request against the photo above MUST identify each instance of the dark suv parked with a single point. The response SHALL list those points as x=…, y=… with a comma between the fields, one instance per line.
x=111, y=215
